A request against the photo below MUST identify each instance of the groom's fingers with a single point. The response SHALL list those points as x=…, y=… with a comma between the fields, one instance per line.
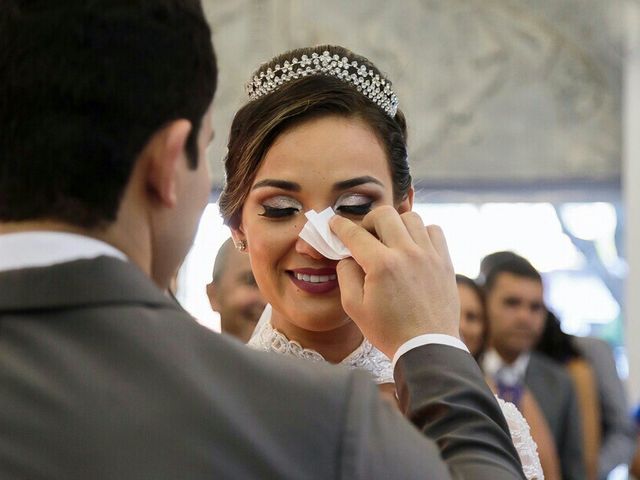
x=392, y=230
x=439, y=242
x=417, y=230
x=385, y=221
x=363, y=245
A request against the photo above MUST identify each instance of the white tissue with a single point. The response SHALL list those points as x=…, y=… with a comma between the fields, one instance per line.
x=317, y=233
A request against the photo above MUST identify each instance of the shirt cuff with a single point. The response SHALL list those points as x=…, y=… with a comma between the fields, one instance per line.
x=426, y=339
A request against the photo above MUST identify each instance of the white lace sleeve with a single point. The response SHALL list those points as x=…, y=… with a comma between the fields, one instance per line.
x=523, y=441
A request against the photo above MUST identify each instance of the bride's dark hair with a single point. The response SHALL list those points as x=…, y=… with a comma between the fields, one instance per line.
x=257, y=124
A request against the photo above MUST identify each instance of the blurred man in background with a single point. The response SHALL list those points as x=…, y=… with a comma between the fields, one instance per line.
x=233, y=292
x=516, y=314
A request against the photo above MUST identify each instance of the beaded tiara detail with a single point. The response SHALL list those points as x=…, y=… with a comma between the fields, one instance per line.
x=366, y=81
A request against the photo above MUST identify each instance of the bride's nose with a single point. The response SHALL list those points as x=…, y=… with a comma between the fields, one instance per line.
x=304, y=248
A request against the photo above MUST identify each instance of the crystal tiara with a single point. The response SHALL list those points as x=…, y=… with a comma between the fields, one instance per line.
x=370, y=84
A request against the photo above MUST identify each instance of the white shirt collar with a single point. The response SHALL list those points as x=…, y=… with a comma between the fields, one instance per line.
x=43, y=249
x=498, y=369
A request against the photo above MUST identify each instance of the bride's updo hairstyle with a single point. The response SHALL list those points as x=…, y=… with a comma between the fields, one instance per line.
x=300, y=85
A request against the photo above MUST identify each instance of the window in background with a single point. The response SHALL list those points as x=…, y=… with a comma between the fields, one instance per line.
x=197, y=268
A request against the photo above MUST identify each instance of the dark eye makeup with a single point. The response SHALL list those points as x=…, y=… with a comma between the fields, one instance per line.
x=359, y=210
x=281, y=206
x=275, y=212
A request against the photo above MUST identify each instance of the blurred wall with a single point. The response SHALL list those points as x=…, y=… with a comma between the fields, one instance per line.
x=496, y=92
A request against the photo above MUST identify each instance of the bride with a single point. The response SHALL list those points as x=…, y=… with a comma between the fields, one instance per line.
x=322, y=129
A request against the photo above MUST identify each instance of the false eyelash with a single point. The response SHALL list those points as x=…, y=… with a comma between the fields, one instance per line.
x=356, y=209
x=273, y=212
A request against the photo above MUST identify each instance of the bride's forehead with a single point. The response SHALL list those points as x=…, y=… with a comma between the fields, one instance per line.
x=325, y=146
x=301, y=176
x=327, y=129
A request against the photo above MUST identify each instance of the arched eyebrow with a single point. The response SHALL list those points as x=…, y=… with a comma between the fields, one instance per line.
x=337, y=187
x=354, y=182
x=282, y=184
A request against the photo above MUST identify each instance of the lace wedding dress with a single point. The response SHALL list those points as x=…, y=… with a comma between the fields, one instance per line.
x=369, y=358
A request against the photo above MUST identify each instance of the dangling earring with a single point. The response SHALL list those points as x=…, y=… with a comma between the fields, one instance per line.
x=241, y=245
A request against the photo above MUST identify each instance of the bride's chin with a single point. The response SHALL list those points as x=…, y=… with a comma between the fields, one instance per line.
x=318, y=321
x=322, y=325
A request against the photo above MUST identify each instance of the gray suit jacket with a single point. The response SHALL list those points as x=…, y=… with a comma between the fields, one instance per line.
x=553, y=390
x=618, y=431
x=103, y=377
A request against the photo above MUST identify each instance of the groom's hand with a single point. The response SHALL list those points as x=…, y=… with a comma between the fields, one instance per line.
x=400, y=282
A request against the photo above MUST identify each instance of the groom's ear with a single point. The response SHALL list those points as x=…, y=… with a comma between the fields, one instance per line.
x=163, y=154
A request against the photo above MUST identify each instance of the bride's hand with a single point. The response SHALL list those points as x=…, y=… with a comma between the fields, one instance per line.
x=400, y=282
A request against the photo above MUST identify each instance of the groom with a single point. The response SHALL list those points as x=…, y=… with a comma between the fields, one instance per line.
x=105, y=117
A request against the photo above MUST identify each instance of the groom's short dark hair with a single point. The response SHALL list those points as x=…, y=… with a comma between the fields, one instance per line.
x=83, y=86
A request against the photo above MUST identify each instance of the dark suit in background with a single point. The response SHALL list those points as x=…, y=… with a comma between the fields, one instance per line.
x=553, y=390
x=103, y=377
x=618, y=431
